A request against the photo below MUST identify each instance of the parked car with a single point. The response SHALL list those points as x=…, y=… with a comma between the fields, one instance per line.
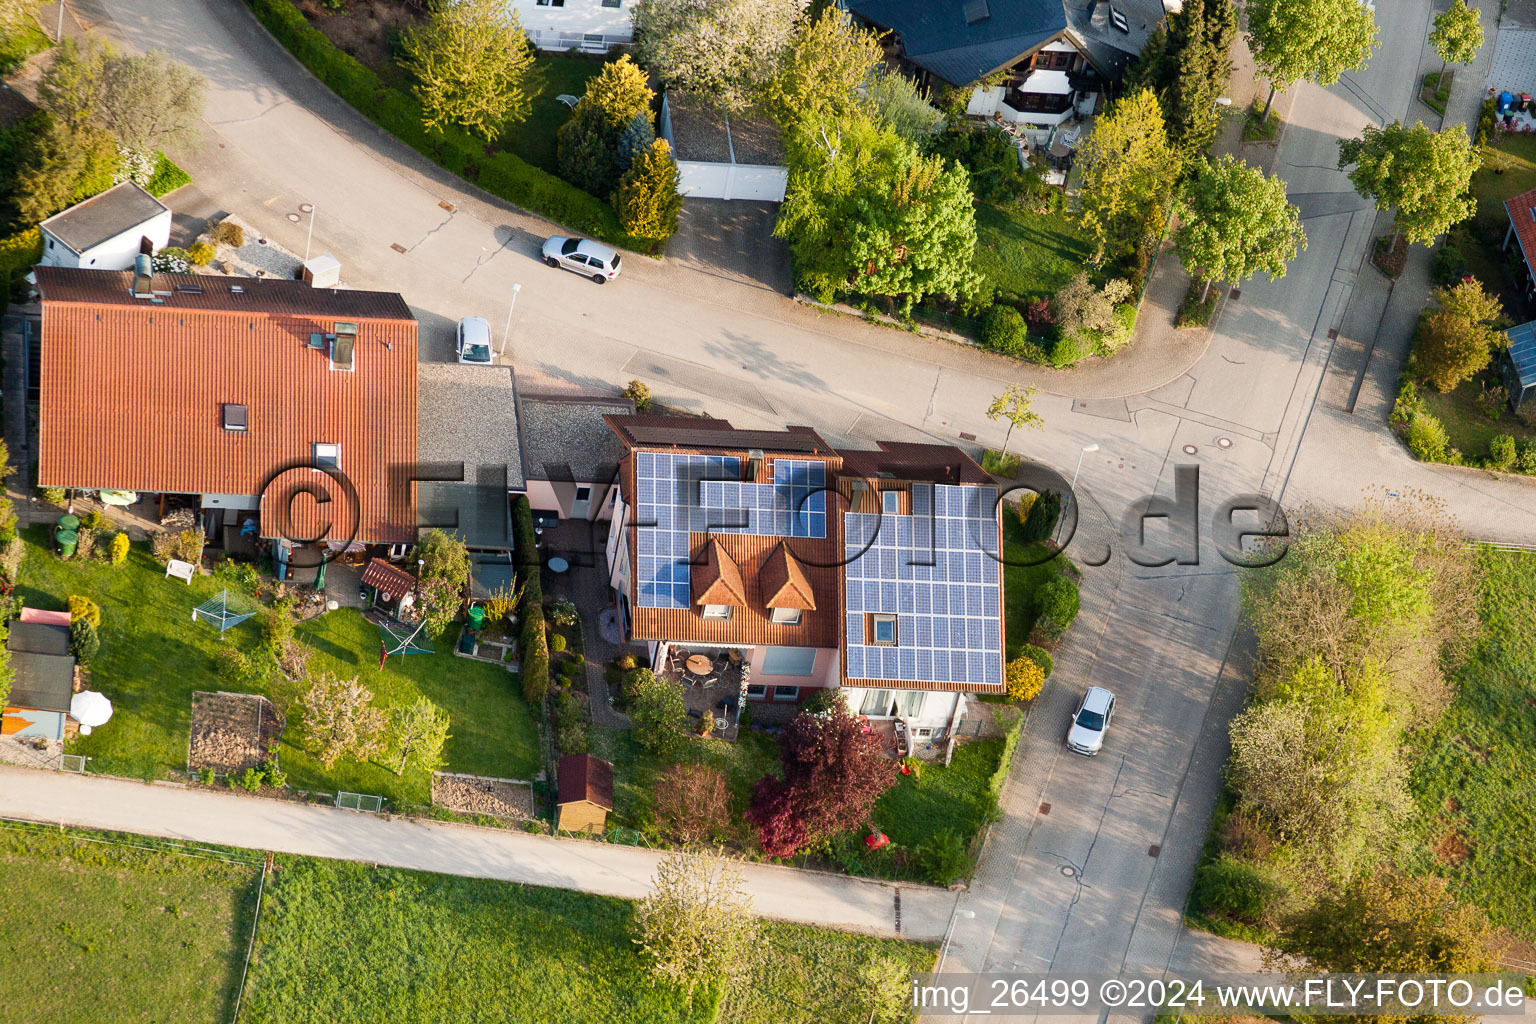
x=1091, y=721
x=474, y=343
x=584, y=256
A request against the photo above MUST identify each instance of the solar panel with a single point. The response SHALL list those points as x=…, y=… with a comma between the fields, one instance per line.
x=947, y=612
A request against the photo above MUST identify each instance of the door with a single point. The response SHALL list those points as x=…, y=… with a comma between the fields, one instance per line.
x=581, y=508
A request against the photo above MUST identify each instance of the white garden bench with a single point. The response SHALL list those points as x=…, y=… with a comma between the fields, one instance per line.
x=179, y=569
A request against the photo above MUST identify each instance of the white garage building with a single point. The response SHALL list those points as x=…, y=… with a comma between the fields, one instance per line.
x=106, y=231
x=723, y=157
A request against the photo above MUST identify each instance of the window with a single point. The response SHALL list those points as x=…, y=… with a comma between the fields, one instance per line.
x=343, y=346
x=877, y=703
x=789, y=661
x=756, y=691
x=551, y=3
x=583, y=494
x=327, y=455
x=890, y=503
x=912, y=703
x=234, y=416
x=50, y=243
x=924, y=733
x=786, y=693
x=611, y=3
x=717, y=611
x=883, y=630
x=785, y=616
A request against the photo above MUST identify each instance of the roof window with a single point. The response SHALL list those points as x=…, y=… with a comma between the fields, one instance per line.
x=234, y=416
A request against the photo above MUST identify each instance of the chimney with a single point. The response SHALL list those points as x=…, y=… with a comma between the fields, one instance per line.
x=143, y=273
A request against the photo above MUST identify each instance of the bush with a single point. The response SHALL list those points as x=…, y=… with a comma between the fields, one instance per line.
x=1501, y=452
x=95, y=520
x=172, y=260
x=201, y=254
x=227, y=232
x=1195, y=312
x=84, y=641
x=83, y=608
x=532, y=642
x=1487, y=119
x=570, y=723
x=563, y=613
x=1058, y=602
x=243, y=573
x=1003, y=330
x=207, y=776
x=1236, y=891
x=639, y=392
x=1526, y=462
x=557, y=643
x=167, y=177
x=1044, y=514
x=1040, y=656
x=1107, y=343
x=1025, y=678
x=52, y=495
x=251, y=780
x=1448, y=266
x=625, y=662
x=1408, y=402
x=1426, y=438
x=274, y=776
x=943, y=858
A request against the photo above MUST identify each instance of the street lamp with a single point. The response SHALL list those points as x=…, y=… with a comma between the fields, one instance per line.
x=507, y=334
x=59, y=36
x=1086, y=449
x=944, y=950
x=310, y=208
x=421, y=564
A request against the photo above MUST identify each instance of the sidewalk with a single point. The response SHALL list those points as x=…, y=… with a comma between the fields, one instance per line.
x=919, y=913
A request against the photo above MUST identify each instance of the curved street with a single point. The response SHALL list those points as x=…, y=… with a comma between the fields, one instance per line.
x=1285, y=360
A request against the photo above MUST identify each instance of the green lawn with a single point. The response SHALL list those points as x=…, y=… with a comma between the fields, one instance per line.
x=94, y=931
x=153, y=656
x=341, y=941
x=1466, y=425
x=953, y=797
x=21, y=43
x=1028, y=254
x=535, y=139
x=1475, y=783
x=1021, y=581
x=1508, y=170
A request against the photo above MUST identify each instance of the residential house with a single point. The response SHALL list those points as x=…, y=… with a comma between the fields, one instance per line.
x=44, y=678
x=873, y=571
x=252, y=398
x=1517, y=364
x=1034, y=64
x=588, y=25
x=107, y=231
x=570, y=457
x=1520, y=238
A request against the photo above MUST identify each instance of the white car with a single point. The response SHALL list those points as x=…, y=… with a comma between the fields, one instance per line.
x=584, y=256
x=474, y=341
x=1091, y=720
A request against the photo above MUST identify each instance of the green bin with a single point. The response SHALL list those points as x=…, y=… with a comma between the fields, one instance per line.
x=66, y=540
x=69, y=522
x=476, y=617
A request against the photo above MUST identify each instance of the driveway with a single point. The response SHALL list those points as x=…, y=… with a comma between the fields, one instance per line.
x=731, y=240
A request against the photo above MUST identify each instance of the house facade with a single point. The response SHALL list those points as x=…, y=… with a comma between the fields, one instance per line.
x=106, y=231
x=589, y=25
x=570, y=457
x=867, y=571
x=289, y=409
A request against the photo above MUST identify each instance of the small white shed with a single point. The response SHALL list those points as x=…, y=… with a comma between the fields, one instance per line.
x=721, y=157
x=106, y=231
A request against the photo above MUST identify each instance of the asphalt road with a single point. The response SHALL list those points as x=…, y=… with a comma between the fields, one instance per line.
x=1098, y=880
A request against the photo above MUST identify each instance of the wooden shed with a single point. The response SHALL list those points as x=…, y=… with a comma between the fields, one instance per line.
x=586, y=793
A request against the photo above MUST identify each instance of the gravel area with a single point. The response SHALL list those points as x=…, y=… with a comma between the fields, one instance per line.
x=258, y=257
x=473, y=794
x=22, y=751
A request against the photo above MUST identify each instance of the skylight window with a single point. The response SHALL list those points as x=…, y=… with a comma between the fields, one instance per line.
x=234, y=416
x=327, y=456
x=883, y=630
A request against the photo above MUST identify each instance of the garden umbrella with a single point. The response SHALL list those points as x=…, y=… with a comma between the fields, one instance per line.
x=118, y=497
x=90, y=709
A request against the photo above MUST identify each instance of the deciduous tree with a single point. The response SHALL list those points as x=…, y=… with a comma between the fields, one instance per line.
x=1128, y=173
x=1016, y=405
x=1308, y=40
x=1235, y=222
x=1425, y=176
x=416, y=736
x=1455, y=340
x=821, y=71
x=692, y=803
x=647, y=200
x=340, y=719
x=696, y=926
x=71, y=87
x=150, y=101
x=723, y=51
x=656, y=713
x=897, y=103
x=471, y=60
x=1457, y=35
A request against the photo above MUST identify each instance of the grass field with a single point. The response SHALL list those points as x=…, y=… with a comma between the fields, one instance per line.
x=953, y=797
x=535, y=140
x=93, y=931
x=1508, y=170
x=153, y=657
x=1021, y=581
x=1028, y=254
x=342, y=941
x=1466, y=425
x=1475, y=784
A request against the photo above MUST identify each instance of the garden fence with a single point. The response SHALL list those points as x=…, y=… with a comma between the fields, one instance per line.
x=72, y=763
x=360, y=802
x=148, y=844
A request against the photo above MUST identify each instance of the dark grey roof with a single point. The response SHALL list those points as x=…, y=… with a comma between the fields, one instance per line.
x=468, y=414
x=221, y=293
x=1109, y=48
x=89, y=223
x=1522, y=354
x=480, y=514
x=38, y=638
x=935, y=34
x=45, y=672
x=566, y=438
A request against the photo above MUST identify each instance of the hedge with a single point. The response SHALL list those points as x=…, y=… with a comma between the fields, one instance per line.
x=19, y=253
x=397, y=112
x=167, y=177
x=534, y=654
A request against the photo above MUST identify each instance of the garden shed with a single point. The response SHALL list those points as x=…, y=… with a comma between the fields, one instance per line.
x=1518, y=364
x=44, y=676
x=585, y=794
x=721, y=157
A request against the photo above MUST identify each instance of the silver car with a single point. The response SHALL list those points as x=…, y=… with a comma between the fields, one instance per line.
x=1091, y=720
x=584, y=256
x=474, y=341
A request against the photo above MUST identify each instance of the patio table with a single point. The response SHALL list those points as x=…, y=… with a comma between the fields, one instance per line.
x=699, y=664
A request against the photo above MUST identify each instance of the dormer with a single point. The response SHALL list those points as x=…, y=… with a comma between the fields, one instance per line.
x=716, y=583
x=786, y=590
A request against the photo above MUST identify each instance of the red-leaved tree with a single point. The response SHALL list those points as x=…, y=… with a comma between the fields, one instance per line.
x=833, y=774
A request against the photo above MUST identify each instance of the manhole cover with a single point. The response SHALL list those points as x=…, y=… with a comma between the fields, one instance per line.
x=293, y=217
x=1223, y=442
x=1190, y=449
x=306, y=207
x=1069, y=870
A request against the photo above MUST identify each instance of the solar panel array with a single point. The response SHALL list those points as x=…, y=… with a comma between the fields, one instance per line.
x=932, y=570
x=678, y=494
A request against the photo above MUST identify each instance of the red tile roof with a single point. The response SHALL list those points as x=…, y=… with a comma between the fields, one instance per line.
x=783, y=583
x=718, y=579
x=584, y=777
x=390, y=580
x=1522, y=215
x=133, y=390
